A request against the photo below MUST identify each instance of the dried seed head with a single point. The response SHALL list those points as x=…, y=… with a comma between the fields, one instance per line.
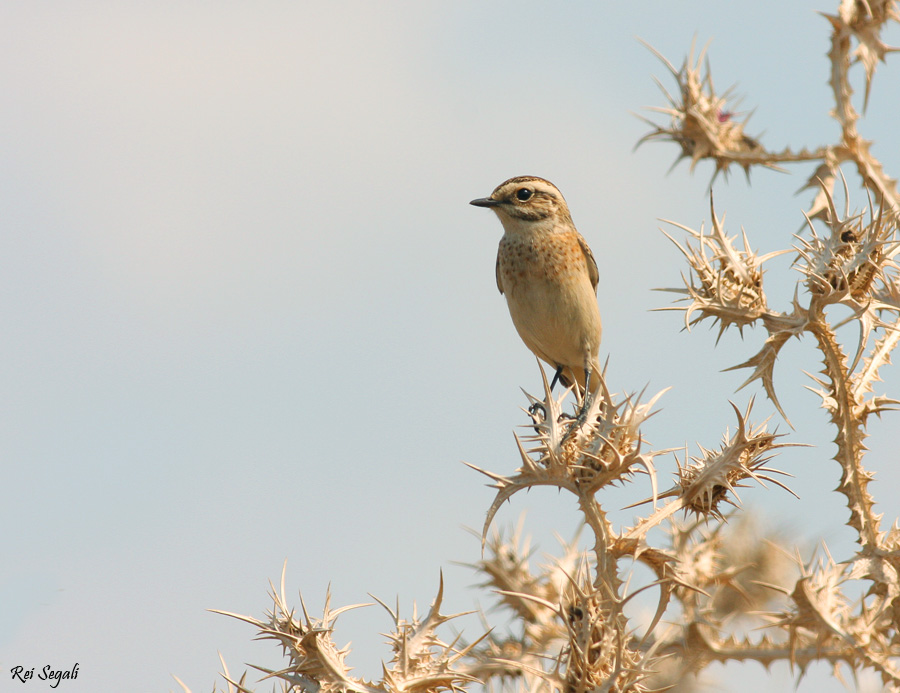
x=725, y=283
x=316, y=662
x=422, y=662
x=582, y=454
x=749, y=561
x=604, y=447
x=507, y=571
x=702, y=122
x=696, y=546
x=820, y=610
x=611, y=446
x=712, y=478
x=843, y=264
x=599, y=658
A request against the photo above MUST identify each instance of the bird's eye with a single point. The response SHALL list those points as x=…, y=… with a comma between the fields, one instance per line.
x=524, y=194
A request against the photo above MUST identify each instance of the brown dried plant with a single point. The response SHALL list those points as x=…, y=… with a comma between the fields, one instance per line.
x=711, y=586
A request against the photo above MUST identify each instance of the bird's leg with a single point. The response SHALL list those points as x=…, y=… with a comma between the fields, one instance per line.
x=586, y=401
x=588, y=396
x=537, y=411
x=556, y=376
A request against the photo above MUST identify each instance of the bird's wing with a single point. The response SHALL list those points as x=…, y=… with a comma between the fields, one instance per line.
x=591, y=263
x=497, y=272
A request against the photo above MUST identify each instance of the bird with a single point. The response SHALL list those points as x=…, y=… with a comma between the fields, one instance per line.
x=549, y=277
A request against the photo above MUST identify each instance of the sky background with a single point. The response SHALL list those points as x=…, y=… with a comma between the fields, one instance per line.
x=249, y=316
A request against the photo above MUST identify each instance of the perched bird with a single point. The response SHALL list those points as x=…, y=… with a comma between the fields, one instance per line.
x=549, y=277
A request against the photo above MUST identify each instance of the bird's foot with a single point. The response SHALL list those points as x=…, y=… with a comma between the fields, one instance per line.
x=581, y=419
x=538, y=414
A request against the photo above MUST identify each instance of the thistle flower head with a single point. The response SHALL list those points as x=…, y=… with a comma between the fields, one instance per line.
x=316, y=663
x=823, y=616
x=422, y=662
x=710, y=480
x=582, y=454
x=725, y=283
x=737, y=564
x=535, y=598
x=820, y=610
x=507, y=570
x=602, y=447
x=599, y=656
x=702, y=122
x=842, y=265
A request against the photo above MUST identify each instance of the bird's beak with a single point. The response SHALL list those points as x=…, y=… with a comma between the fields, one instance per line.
x=485, y=202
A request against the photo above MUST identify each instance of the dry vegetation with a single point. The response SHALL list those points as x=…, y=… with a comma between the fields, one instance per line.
x=572, y=633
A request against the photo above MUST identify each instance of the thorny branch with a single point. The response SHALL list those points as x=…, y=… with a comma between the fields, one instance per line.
x=570, y=628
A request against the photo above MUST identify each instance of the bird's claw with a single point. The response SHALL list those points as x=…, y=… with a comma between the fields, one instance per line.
x=580, y=420
x=538, y=412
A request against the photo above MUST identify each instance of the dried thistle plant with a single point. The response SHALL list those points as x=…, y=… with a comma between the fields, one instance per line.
x=717, y=592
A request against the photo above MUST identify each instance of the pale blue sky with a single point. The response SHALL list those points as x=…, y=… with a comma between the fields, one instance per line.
x=249, y=315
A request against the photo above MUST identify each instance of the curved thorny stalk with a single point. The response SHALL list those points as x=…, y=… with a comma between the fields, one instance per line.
x=706, y=125
x=604, y=648
x=849, y=264
x=845, y=259
x=577, y=623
